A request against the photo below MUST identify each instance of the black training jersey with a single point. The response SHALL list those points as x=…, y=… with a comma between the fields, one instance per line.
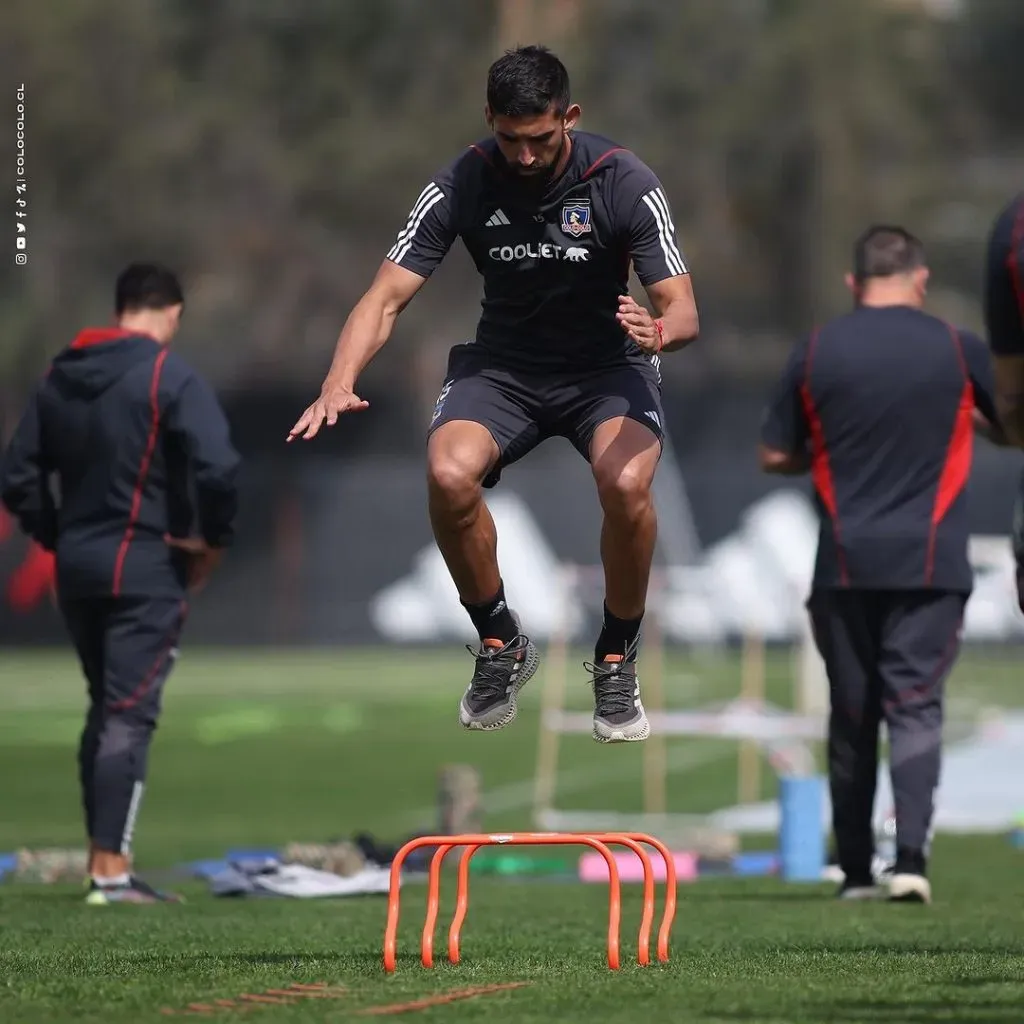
x=883, y=399
x=553, y=262
x=1004, y=281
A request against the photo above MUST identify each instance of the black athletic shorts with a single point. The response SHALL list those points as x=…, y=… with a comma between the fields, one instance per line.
x=521, y=410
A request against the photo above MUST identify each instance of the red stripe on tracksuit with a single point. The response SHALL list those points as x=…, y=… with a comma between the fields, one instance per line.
x=140, y=481
x=821, y=467
x=956, y=467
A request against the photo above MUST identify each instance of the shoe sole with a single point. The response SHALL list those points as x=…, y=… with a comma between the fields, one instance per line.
x=99, y=900
x=909, y=889
x=861, y=894
x=632, y=732
x=531, y=662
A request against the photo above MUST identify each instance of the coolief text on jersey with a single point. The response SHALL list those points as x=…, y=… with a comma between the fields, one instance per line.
x=538, y=251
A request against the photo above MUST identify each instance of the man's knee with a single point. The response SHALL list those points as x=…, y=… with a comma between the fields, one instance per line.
x=624, y=489
x=624, y=456
x=459, y=456
x=123, y=742
x=452, y=481
x=134, y=718
x=915, y=713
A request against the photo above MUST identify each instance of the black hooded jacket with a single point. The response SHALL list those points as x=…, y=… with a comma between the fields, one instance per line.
x=121, y=445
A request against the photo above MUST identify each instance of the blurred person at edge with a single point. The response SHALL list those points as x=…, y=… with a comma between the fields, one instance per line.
x=1004, y=324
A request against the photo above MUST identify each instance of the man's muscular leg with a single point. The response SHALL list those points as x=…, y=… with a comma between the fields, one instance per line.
x=460, y=453
x=624, y=456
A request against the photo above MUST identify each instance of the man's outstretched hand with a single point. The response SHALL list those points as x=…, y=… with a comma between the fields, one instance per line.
x=332, y=403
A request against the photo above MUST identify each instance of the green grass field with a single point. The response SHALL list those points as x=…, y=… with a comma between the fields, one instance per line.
x=280, y=746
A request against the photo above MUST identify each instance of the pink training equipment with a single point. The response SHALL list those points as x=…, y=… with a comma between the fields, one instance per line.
x=592, y=867
x=598, y=842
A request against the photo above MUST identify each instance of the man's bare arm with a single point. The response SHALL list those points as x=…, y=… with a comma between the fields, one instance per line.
x=676, y=306
x=1009, y=379
x=367, y=328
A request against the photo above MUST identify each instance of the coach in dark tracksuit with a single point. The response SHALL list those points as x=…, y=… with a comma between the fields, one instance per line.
x=880, y=405
x=144, y=502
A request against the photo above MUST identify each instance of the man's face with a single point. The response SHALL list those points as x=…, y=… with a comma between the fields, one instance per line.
x=531, y=145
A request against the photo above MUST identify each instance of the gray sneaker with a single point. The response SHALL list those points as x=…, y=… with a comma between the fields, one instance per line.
x=502, y=670
x=619, y=716
x=133, y=891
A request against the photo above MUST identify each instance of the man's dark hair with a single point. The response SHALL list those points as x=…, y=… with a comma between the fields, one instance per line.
x=526, y=82
x=146, y=286
x=885, y=250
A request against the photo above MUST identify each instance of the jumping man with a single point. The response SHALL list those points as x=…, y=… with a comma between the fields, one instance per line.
x=553, y=218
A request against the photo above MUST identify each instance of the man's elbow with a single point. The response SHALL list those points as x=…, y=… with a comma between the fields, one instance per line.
x=689, y=318
x=685, y=325
x=219, y=478
x=691, y=327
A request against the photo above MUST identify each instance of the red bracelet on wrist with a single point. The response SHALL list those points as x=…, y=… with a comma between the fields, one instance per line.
x=660, y=326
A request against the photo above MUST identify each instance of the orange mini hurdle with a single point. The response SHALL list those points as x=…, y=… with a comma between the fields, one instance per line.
x=470, y=843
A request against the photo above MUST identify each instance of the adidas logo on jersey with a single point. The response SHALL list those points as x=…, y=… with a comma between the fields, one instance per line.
x=496, y=220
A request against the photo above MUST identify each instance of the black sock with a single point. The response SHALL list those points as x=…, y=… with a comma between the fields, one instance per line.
x=493, y=619
x=617, y=636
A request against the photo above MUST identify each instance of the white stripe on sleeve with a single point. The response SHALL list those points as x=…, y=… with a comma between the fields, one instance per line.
x=658, y=205
x=427, y=198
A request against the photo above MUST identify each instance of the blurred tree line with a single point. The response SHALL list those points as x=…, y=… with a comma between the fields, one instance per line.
x=270, y=151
